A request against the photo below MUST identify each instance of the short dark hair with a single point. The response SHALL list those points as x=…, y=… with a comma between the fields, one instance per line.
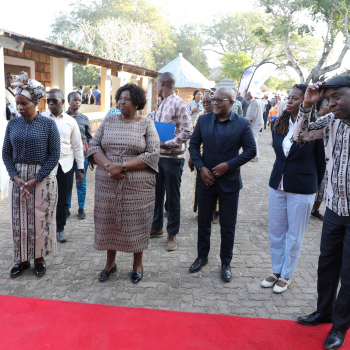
x=137, y=94
x=96, y=87
x=71, y=94
x=57, y=91
x=81, y=86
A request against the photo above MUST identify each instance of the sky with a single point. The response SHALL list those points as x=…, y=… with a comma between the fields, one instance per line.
x=34, y=17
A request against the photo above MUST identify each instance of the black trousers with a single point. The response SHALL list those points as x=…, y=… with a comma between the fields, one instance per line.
x=64, y=184
x=265, y=119
x=334, y=265
x=228, y=205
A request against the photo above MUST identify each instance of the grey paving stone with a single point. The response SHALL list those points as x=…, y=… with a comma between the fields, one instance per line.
x=73, y=271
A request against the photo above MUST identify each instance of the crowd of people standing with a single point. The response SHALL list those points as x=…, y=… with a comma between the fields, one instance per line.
x=135, y=170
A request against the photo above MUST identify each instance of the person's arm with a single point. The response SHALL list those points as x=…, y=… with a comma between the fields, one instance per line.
x=195, y=144
x=240, y=109
x=77, y=145
x=252, y=112
x=320, y=160
x=305, y=131
x=54, y=150
x=88, y=131
x=249, y=149
x=7, y=154
x=149, y=158
x=93, y=99
x=184, y=129
x=189, y=107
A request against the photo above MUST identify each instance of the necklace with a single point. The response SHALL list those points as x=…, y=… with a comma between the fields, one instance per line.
x=129, y=120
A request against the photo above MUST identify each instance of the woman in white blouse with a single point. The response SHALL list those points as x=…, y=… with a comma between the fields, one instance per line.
x=295, y=178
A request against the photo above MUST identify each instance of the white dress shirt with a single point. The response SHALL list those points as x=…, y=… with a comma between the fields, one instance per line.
x=286, y=145
x=71, y=142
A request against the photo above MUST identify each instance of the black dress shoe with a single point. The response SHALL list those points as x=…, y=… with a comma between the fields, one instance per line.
x=39, y=270
x=197, y=265
x=18, y=269
x=136, y=276
x=81, y=214
x=335, y=339
x=61, y=237
x=104, y=275
x=226, y=273
x=314, y=319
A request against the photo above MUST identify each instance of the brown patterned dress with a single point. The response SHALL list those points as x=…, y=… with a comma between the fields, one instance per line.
x=124, y=209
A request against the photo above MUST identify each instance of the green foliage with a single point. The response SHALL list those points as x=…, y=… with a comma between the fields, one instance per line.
x=279, y=84
x=235, y=33
x=186, y=40
x=234, y=64
x=86, y=75
x=302, y=51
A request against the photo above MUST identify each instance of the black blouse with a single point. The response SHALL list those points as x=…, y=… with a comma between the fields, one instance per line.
x=31, y=142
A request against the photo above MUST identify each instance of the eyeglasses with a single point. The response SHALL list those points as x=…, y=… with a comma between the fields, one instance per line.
x=219, y=100
x=206, y=102
x=53, y=100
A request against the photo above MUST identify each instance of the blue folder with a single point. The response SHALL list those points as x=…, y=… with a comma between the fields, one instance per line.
x=166, y=131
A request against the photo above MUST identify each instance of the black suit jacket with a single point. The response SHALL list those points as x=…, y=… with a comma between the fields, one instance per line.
x=302, y=170
x=238, y=134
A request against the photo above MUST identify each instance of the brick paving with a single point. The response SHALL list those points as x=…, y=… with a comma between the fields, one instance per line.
x=167, y=285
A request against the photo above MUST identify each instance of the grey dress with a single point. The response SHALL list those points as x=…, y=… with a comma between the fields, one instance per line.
x=124, y=209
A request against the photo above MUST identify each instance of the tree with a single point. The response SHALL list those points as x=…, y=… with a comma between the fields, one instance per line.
x=234, y=33
x=186, y=40
x=234, y=65
x=130, y=11
x=86, y=75
x=334, y=14
x=248, y=32
x=116, y=39
x=279, y=84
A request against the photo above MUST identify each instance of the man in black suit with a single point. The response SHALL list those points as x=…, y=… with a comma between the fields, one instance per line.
x=222, y=134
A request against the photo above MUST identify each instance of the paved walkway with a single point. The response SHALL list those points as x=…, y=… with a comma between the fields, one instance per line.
x=167, y=284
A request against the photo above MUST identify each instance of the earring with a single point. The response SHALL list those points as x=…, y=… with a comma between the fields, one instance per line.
x=137, y=107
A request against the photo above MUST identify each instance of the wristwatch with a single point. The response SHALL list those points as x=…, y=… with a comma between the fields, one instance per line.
x=124, y=168
x=82, y=170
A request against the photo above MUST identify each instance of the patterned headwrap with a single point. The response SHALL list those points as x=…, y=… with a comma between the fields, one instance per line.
x=29, y=88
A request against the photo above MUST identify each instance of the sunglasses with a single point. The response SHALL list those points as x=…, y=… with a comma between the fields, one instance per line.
x=53, y=100
x=219, y=100
x=206, y=102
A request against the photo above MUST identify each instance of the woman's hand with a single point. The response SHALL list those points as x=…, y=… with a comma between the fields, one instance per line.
x=207, y=176
x=118, y=177
x=114, y=169
x=313, y=94
x=194, y=110
x=190, y=164
x=27, y=188
x=220, y=169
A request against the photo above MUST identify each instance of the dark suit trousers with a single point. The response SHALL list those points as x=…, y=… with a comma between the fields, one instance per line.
x=228, y=205
x=333, y=265
x=64, y=184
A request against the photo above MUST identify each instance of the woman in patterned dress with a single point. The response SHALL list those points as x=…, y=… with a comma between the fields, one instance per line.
x=31, y=152
x=126, y=150
x=208, y=107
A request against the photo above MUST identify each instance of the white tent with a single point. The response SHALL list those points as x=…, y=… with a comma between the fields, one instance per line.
x=186, y=75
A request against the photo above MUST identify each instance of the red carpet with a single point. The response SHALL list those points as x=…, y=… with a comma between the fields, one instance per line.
x=35, y=324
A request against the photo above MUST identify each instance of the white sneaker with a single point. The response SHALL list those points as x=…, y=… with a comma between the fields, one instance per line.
x=278, y=289
x=267, y=284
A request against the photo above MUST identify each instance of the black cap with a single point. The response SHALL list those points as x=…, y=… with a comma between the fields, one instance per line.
x=337, y=82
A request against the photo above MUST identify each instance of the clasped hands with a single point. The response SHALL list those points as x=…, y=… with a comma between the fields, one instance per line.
x=25, y=187
x=209, y=176
x=114, y=170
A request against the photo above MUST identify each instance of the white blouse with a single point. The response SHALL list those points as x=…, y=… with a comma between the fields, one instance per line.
x=286, y=145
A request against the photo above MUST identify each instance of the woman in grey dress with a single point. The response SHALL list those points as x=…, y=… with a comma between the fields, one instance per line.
x=126, y=151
